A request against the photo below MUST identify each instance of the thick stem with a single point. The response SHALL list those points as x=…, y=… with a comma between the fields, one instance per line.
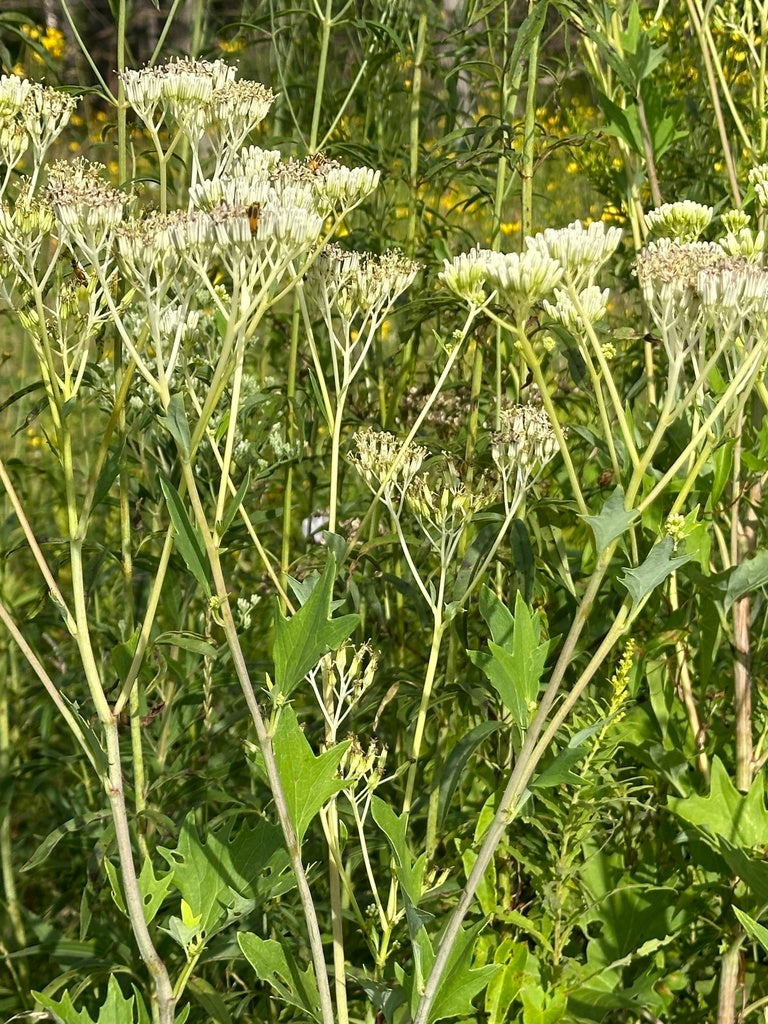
x=730, y=970
x=265, y=746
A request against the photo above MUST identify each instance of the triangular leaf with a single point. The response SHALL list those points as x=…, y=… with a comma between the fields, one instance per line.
x=516, y=669
x=302, y=639
x=116, y=1009
x=275, y=965
x=409, y=874
x=612, y=521
x=212, y=874
x=308, y=781
x=657, y=566
x=739, y=818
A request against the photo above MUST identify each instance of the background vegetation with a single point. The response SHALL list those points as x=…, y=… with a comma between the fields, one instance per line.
x=627, y=878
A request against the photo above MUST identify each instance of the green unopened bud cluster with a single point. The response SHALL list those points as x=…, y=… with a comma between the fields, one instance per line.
x=572, y=255
x=682, y=222
x=590, y=307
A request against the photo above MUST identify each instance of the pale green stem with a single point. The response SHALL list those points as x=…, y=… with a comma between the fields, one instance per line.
x=650, y=162
x=333, y=498
x=322, y=67
x=438, y=630
x=529, y=136
x=34, y=547
x=535, y=366
x=414, y=134
x=730, y=983
x=706, y=45
x=37, y=667
x=265, y=745
x=290, y=428
x=163, y=1002
x=8, y=683
x=607, y=377
x=747, y=368
x=331, y=823
x=531, y=752
x=229, y=444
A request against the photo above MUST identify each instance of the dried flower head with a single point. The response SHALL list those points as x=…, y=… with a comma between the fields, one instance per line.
x=86, y=206
x=384, y=462
x=443, y=503
x=525, y=438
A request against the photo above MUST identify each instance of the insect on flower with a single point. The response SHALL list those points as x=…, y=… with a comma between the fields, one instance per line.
x=254, y=214
x=80, y=275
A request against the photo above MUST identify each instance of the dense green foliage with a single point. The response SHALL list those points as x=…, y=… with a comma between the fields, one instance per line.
x=325, y=580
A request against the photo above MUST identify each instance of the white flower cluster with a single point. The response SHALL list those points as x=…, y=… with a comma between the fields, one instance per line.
x=573, y=255
x=30, y=115
x=682, y=222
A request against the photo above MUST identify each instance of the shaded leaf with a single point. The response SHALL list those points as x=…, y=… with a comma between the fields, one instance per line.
x=186, y=538
x=749, y=575
x=276, y=966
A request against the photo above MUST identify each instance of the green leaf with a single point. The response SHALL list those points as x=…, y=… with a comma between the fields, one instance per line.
x=211, y=875
x=44, y=850
x=739, y=818
x=456, y=762
x=749, y=575
x=115, y=1010
x=175, y=422
x=276, y=966
x=503, y=989
x=657, y=566
x=234, y=505
x=153, y=889
x=410, y=875
x=188, y=541
x=558, y=770
x=187, y=642
x=539, y=1007
x=515, y=670
x=497, y=616
x=302, y=640
x=754, y=930
x=308, y=781
x=211, y=1001
x=460, y=983
x=612, y=521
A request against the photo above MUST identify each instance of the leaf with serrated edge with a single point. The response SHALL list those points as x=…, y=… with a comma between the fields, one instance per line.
x=302, y=639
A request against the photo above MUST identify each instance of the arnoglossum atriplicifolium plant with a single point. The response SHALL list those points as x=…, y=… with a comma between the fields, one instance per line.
x=324, y=878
